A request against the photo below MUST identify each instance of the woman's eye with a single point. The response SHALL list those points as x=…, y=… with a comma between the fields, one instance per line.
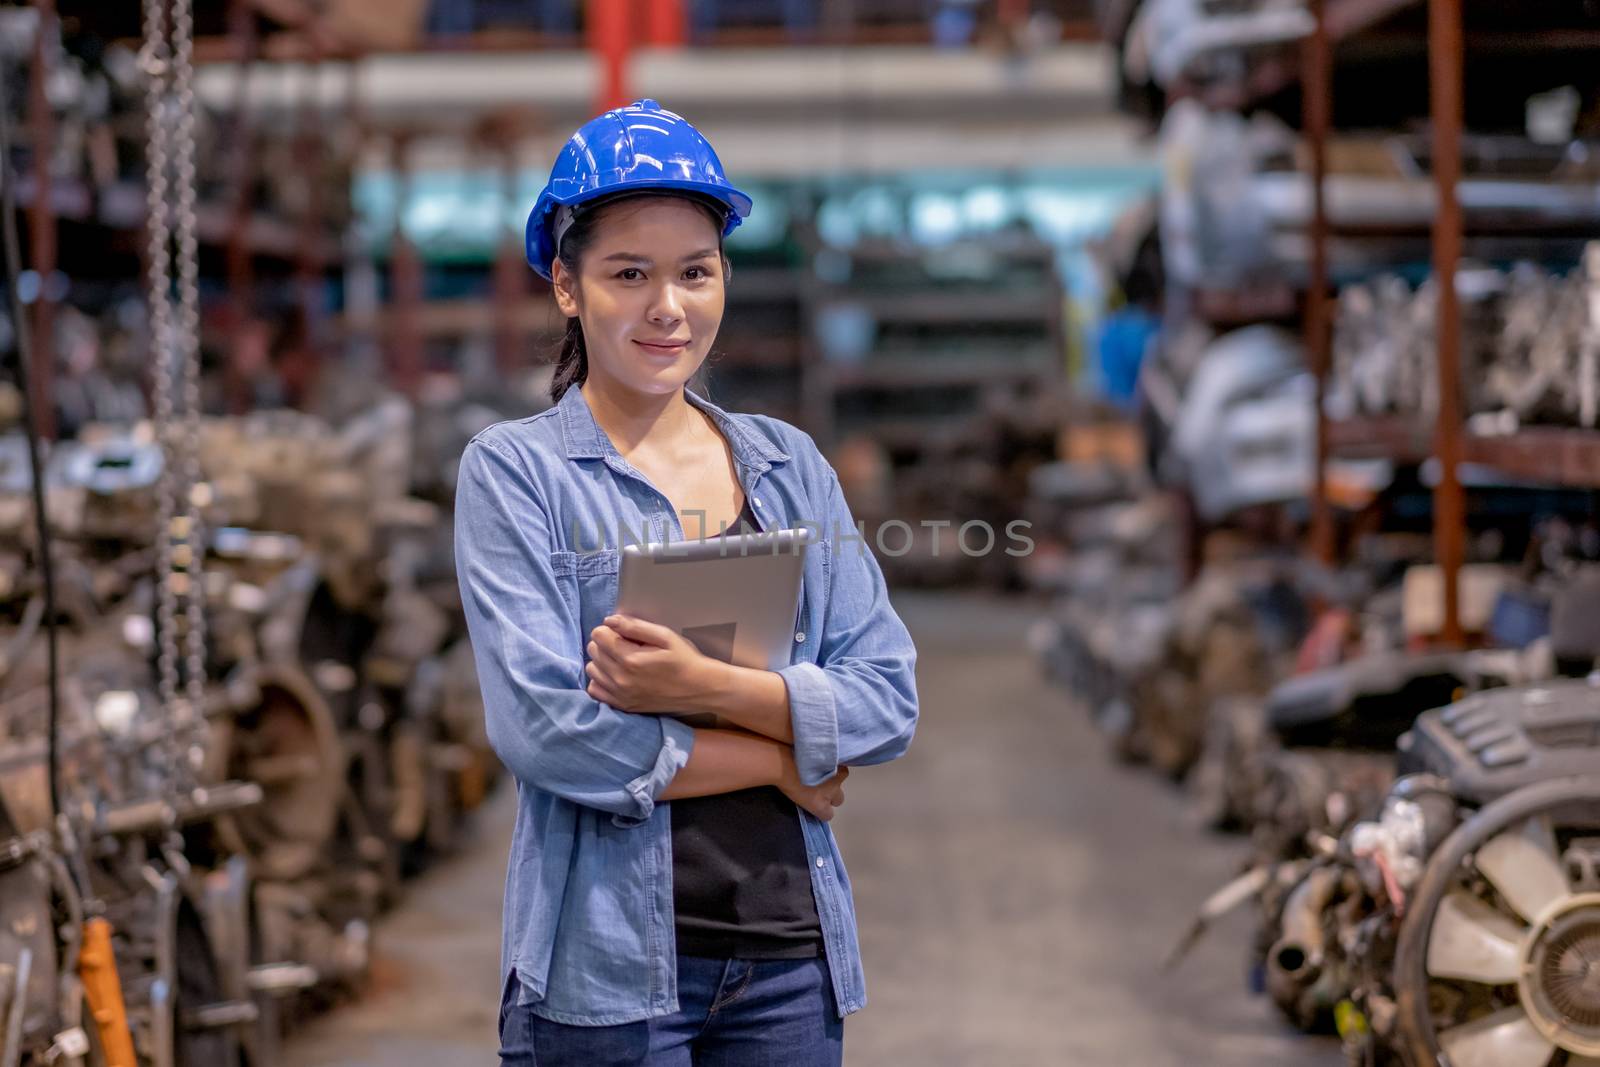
x=697, y=273
x=628, y=274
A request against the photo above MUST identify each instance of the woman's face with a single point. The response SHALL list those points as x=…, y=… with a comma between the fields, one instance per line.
x=649, y=292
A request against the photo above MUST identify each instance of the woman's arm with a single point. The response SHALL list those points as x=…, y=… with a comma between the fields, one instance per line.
x=723, y=761
x=550, y=732
x=857, y=703
x=529, y=652
x=755, y=700
x=646, y=667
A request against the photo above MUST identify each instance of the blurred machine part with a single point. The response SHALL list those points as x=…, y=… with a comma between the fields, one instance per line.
x=1530, y=359
x=1452, y=926
x=1245, y=434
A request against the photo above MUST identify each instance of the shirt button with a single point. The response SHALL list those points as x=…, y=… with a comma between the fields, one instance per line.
x=801, y=636
x=757, y=501
x=821, y=862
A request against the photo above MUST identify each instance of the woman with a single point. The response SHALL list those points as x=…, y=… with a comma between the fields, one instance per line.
x=718, y=928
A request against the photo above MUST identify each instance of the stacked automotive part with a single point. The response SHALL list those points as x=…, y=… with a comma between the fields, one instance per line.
x=342, y=738
x=235, y=690
x=1460, y=922
x=1530, y=357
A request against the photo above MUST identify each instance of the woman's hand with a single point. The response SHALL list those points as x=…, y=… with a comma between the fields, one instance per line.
x=645, y=667
x=819, y=800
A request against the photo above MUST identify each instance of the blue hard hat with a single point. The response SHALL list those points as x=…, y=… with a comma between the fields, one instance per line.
x=629, y=149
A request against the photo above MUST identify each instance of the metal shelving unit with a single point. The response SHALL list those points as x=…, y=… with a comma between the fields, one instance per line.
x=239, y=239
x=1555, y=455
x=936, y=343
x=1269, y=76
x=1558, y=454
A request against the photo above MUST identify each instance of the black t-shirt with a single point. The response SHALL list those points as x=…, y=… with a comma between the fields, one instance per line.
x=741, y=886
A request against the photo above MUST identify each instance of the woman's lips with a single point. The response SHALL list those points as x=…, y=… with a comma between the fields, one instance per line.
x=662, y=351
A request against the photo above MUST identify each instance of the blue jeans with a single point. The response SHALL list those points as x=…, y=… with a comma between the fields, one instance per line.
x=732, y=1013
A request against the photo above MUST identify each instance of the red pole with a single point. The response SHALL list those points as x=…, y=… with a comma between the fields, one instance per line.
x=42, y=225
x=1013, y=12
x=510, y=273
x=406, y=286
x=240, y=268
x=610, y=40
x=309, y=267
x=1317, y=92
x=1445, y=63
x=666, y=23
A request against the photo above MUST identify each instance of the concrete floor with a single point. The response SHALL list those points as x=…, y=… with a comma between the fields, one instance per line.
x=1016, y=892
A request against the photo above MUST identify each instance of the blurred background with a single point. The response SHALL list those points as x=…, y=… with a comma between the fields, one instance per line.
x=1273, y=326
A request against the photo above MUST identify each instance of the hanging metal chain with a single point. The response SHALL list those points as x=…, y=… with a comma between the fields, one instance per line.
x=180, y=540
x=189, y=342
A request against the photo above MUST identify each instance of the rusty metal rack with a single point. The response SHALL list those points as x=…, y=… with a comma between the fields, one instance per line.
x=1562, y=456
x=1360, y=30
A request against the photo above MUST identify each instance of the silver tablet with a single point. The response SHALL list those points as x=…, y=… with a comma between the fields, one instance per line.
x=734, y=597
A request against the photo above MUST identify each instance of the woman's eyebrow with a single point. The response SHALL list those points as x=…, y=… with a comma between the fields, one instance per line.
x=634, y=257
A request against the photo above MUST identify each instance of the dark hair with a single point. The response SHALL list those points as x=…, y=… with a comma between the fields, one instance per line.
x=572, y=361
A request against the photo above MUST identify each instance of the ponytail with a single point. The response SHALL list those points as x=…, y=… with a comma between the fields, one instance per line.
x=572, y=363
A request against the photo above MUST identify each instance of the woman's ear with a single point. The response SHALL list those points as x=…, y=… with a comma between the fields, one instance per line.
x=565, y=286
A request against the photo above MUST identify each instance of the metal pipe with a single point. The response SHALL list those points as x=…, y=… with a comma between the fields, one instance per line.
x=164, y=991
x=1295, y=960
x=1445, y=62
x=17, y=1009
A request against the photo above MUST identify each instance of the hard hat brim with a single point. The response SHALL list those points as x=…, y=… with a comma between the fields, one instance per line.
x=538, y=240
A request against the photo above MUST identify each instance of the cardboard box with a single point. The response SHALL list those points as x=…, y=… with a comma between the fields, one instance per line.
x=1116, y=443
x=1422, y=597
x=378, y=25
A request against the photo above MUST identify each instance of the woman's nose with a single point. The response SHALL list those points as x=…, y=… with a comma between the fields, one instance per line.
x=667, y=306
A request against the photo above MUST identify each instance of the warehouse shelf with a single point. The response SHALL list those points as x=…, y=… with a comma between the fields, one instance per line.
x=1485, y=201
x=764, y=284
x=904, y=372
x=456, y=318
x=1242, y=307
x=1272, y=71
x=736, y=351
x=1013, y=248
x=1550, y=455
x=1393, y=437
x=905, y=434
x=954, y=308
x=1554, y=455
x=121, y=206
x=288, y=28
x=1370, y=39
x=740, y=25
x=911, y=334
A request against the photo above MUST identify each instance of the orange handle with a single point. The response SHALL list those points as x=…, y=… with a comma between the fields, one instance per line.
x=97, y=967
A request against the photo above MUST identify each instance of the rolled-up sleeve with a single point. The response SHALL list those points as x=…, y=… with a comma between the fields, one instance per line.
x=857, y=703
x=541, y=721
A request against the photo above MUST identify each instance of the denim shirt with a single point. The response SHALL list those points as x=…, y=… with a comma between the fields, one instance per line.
x=543, y=506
